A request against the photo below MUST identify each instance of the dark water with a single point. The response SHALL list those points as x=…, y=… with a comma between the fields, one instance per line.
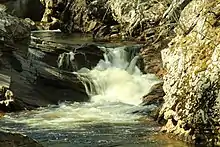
x=142, y=134
x=97, y=124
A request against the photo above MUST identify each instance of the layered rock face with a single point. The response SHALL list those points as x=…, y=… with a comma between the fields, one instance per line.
x=29, y=76
x=192, y=82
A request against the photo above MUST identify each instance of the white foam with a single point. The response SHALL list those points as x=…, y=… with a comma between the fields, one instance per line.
x=113, y=91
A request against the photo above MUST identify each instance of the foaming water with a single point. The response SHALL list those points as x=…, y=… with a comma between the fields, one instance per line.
x=68, y=116
x=117, y=79
x=116, y=87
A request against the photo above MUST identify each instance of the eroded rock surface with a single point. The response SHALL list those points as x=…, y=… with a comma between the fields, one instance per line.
x=192, y=81
x=110, y=18
x=32, y=69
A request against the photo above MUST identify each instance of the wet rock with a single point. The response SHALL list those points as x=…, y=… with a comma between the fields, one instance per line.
x=9, y=139
x=34, y=78
x=152, y=60
x=87, y=56
x=38, y=81
x=191, y=84
x=155, y=96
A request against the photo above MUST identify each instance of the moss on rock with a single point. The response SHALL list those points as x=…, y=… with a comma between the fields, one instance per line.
x=192, y=82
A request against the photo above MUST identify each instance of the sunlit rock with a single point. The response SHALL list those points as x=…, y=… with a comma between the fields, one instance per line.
x=192, y=81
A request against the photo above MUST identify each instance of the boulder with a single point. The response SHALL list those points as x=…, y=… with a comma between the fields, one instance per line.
x=30, y=66
x=85, y=56
x=12, y=30
x=35, y=79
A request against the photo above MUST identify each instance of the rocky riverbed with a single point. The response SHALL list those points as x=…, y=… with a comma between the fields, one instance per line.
x=180, y=45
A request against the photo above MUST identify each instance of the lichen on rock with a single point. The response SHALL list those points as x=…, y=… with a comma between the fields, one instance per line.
x=192, y=82
x=137, y=17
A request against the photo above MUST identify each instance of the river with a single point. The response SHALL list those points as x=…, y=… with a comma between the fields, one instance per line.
x=115, y=87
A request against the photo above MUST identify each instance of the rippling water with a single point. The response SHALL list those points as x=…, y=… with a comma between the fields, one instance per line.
x=115, y=86
x=52, y=129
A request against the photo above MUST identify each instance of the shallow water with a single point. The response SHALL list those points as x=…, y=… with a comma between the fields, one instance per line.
x=115, y=86
x=53, y=129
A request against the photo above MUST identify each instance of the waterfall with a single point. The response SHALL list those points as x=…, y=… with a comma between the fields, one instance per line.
x=117, y=78
x=115, y=86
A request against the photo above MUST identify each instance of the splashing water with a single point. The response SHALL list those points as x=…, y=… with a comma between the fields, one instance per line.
x=115, y=79
x=115, y=86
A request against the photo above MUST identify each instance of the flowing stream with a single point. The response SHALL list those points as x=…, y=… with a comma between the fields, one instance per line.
x=115, y=86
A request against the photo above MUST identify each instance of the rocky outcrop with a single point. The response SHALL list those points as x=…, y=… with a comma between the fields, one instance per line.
x=138, y=18
x=9, y=139
x=38, y=81
x=110, y=18
x=155, y=96
x=85, y=56
x=29, y=68
x=78, y=15
x=192, y=81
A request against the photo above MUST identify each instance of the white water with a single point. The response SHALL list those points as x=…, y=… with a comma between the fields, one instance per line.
x=115, y=86
x=117, y=80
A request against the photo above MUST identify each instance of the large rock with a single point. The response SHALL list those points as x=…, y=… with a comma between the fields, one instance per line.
x=138, y=17
x=192, y=82
x=35, y=79
x=9, y=139
x=31, y=70
x=85, y=56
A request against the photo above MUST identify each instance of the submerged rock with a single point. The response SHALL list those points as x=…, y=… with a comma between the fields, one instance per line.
x=192, y=81
x=9, y=139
